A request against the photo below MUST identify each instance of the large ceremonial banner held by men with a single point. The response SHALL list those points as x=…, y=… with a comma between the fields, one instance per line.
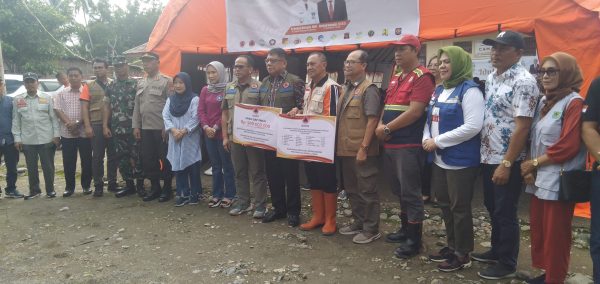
x=308, y=138
x=256, y=126
x=264, y=24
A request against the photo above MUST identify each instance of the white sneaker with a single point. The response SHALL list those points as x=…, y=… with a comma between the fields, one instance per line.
x=208, y=172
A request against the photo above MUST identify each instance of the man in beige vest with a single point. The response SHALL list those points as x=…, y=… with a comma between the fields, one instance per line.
x=92, y=103
x=357, y=148
x=248, y=162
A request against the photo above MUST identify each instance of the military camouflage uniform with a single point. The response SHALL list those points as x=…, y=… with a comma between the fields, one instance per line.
x=121, y=97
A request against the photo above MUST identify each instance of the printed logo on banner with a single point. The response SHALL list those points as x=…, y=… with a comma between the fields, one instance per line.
x=295, y=19
x=251, y=43
x=305, y=120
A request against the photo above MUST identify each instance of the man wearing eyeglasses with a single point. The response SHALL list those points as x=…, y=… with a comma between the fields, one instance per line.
x=401, y=126
x=357, y=148
x=511, y=96
x=283, y=90
x=248, y=162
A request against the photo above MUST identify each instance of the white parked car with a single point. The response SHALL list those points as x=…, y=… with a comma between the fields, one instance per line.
x=14, y=85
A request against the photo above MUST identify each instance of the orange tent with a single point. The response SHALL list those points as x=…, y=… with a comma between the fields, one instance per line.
x=573, y=26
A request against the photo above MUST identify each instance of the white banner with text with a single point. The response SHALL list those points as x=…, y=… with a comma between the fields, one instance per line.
x=265, y=24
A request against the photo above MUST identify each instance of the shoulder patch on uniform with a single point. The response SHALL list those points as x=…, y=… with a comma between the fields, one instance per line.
x=418, y=71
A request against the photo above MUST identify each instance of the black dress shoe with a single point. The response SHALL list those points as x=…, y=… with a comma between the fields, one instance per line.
x=165, y=195
x=152, y=196
x=68, y=193
x=87, y=191
x=293, y=220
x=124, y=192
x=396, y=237
x=98, y=191
x=272, y=216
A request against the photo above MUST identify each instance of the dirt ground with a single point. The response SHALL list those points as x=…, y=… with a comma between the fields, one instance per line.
x=107, y=240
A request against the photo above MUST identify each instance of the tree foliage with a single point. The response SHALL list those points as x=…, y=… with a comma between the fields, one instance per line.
x=88, y=28
x=25, y=44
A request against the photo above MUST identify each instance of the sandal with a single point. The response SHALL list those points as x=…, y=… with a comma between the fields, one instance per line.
x=213, y=203
x=226, y=202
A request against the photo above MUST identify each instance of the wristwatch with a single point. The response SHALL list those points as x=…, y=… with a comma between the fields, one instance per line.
x=506, y=163
x=535, y=162
x=386, y=130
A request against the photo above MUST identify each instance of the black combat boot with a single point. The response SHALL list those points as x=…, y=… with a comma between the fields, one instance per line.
x=139, y=187
x=167, y=192
x=412, y=245
x=128, y=190
x=154, y=190
x=400, y=235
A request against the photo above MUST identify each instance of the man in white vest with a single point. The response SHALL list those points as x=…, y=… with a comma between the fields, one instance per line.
x=320, y=98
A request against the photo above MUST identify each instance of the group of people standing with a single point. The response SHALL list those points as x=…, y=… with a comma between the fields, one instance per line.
x=518, y=130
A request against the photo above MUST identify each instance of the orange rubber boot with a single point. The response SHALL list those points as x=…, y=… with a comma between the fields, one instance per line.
x=318, y=208
x=330, y=211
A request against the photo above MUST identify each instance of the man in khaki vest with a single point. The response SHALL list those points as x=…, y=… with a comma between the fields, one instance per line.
x=92, y=103
x=283, y=90
x=248, y=162
x=357, y=148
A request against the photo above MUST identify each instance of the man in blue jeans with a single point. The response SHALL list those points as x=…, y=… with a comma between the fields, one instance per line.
x=591, y=136
x=511, y=95
x=7, y=146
